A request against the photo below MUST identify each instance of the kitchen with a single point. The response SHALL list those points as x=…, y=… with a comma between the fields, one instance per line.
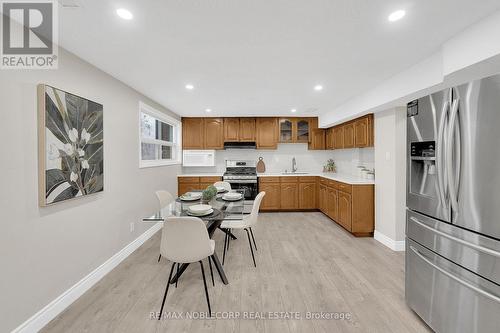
x=210, y=145
x=270, y=166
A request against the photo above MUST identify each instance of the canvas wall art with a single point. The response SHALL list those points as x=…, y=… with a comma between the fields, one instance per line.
x=70, y=130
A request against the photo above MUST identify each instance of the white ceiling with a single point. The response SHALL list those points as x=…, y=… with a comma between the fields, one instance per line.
x=260, y=57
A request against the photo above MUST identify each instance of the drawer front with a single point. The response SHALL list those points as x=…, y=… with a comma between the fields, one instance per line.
x=209, y=179
x=189, y=180
x=343, y=187
x=269, y=179
x=290, y=179
x=307, y=179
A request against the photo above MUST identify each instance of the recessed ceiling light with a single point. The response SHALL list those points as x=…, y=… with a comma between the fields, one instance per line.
x=189, y=87
x=397, y=15
x=208, y=110
x=318, y=87
x=124, y=14
x=293, y=110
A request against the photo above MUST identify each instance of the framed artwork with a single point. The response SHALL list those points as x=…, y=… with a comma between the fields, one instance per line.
x=70, y=146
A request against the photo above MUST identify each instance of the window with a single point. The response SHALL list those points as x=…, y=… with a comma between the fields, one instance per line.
x=160, y=138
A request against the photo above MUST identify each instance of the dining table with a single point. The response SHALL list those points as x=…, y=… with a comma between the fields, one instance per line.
x=223, y=209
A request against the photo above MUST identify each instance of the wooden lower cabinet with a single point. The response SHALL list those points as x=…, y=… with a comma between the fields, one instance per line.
x=332, y=203
x=271, y=200
x=344, y=210
x=186, y=184
x=322, y=198
x=289, y=196
x=307, y=195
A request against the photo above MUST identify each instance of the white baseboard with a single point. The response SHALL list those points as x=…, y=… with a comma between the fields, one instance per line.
x=389, y=242
x=51, y=310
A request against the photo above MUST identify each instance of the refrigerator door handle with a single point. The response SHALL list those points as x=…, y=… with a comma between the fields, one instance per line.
x=451, y=276
x=453, y=142
x=456, y=239
x=440, y=153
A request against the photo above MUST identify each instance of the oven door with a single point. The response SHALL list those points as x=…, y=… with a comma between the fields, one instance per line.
x=248, y=186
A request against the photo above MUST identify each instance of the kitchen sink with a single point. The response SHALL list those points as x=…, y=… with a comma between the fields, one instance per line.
x=295, y=173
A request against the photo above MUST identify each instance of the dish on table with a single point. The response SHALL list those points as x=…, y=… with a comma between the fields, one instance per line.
x=232, y=196
x=220, y=189
x=208, y=212
x=199, y=209
x=190, y=196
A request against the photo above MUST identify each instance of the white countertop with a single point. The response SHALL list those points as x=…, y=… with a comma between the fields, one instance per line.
x=344, y=178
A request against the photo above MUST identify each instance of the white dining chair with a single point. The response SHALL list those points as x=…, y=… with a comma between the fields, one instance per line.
x=164, y=199
x=185, y=240
x=246, y=223
x=225, y=185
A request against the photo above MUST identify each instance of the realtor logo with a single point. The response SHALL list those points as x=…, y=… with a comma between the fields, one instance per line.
x=29, y=35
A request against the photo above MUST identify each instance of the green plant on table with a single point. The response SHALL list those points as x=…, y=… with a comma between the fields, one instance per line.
x=209, y=193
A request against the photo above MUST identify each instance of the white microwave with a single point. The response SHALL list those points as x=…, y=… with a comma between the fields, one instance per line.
x=198, y=158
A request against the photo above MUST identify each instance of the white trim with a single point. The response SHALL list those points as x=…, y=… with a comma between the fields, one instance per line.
x=389, y=242
x=58, y=305
x=177, y=144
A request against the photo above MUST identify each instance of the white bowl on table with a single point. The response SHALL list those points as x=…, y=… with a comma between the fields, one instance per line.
x=220, y=189
x=200, y=209
x=232, y=196
x=191, y=196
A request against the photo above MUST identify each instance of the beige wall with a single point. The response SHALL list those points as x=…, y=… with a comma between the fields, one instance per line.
x=390, y=167
x=44, y=251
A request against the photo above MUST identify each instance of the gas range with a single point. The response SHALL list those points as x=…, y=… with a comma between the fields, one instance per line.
x=242, y=175
x=239, y=171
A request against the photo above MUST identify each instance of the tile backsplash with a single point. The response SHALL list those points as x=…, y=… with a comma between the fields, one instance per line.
x=281, y=159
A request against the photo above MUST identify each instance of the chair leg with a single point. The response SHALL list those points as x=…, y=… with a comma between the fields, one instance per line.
x=159, y=257
x=166, y=290
x=206, y=289
x=228, y=238
x=253, y=238
x=251, y=248
x=225, y=243
x=177, y=280
x=211, y=271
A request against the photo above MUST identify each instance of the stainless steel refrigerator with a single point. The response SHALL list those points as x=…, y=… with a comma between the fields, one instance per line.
x=453, y=208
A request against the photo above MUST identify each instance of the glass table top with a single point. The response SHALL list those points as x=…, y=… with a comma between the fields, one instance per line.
x=222, y=209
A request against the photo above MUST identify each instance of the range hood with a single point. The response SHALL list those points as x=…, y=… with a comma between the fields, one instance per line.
x=239, y=145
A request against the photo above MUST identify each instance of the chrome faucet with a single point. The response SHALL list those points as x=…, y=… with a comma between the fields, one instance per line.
x=294, y=165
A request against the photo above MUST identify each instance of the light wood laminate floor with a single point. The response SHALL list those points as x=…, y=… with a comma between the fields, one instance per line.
x=305, y=263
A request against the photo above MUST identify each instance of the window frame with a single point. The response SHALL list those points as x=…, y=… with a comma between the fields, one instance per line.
x=177, y=137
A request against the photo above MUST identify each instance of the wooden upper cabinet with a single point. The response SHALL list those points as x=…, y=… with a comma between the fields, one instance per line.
x=231, y=129
x=289, y=196
x=329, y=139
x=317, y=139
x=303, y=133
x=267, y=133
x=287, y=130
x=361, y=133
x=192, y=133
x=214, y=133
x=371, y=131
x=307, y=195
x=271, y=200
x=349, y=135
x=338, y=134
x=344, y=210
x=247, y=129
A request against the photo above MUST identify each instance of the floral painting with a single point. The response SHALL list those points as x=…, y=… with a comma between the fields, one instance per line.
x=70, y=146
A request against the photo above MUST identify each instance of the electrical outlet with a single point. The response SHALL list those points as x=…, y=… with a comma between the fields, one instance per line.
x=132, y=226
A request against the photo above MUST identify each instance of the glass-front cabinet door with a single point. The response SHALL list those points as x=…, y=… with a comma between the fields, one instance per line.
x=286, y=130
x=303, y=130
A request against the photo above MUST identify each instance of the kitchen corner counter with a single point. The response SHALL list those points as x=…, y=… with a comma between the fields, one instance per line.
x=343, y=178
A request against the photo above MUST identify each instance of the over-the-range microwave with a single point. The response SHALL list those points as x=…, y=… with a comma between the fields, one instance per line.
x=198, y=158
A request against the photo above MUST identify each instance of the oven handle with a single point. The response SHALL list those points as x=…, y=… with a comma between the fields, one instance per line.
x=233, y=181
